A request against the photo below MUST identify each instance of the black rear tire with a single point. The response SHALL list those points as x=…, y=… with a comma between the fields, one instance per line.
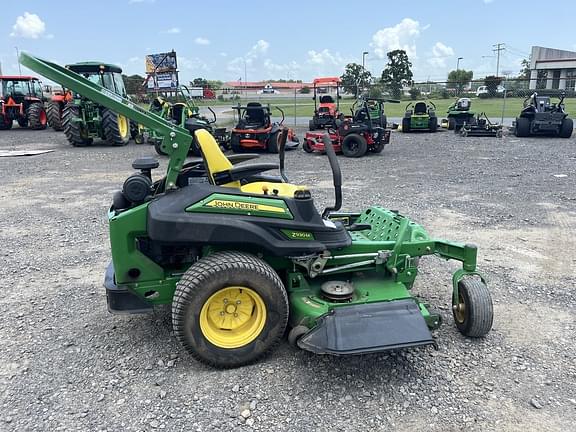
x=474, y=312
x=194, y=306
x=54, y=113
x=433, y=124
x=74, y=128
x=377, y=148
x=566, y=128
x=522, y=128
x=115, y=131
x=311, y=125
x=405, y=125
x=306, y=146
x=354, y=146
x=235, y=143
x=451, y=124
x=158, y=147
x=272, y=145
x=37, y=118
x=5, y=124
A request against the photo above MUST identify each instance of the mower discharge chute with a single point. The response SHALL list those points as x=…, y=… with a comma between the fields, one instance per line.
x=242, y=256
x=326, y=109
x=255, y=130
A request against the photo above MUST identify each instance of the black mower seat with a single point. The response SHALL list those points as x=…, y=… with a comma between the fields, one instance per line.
x=420, y=108
x=221, y=171
x=326, y=99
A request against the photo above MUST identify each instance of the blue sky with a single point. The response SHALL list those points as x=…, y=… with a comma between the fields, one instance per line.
x=297, y=39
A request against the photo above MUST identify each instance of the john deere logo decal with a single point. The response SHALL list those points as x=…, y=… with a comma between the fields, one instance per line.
x=244, y=206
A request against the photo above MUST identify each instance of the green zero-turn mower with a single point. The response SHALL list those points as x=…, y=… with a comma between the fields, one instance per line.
x=459, y=114
x=242, y=256
x=420, y=116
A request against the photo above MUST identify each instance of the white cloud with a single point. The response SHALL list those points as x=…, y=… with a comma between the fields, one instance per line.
x=324, y=57
x=401, y=36
x=223, y=54
x=440, y=53
x=192, y=64
x=261, y=47
x=133, y=59
x=28, y=26
x=272, y=67
x=201, y=41
x=173, y=30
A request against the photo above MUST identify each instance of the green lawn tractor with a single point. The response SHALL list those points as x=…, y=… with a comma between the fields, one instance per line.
x=84, y=120
x=242, y=257
x=420, y=116
x=459, y=113
x=182, y=113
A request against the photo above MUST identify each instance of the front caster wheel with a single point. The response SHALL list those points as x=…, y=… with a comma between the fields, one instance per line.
x=473, y=311
x=296, y=333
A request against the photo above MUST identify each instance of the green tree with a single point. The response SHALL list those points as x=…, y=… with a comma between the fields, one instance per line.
x=354, y=78
x=133, y=84
x=215, y=84
x=397, y=73
x=459, y=78
x=414, y=93
x=525, y=72
x=199, y=82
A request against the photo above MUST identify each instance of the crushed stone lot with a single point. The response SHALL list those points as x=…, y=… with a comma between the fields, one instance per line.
x=67, y=364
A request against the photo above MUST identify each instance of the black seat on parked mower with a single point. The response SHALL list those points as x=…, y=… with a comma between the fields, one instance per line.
x=256, y=115
x=420, y=108
x=326, y=99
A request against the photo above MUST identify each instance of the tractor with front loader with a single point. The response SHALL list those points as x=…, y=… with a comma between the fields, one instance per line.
x=84, y=120
x=22, y=100
x=242, y=257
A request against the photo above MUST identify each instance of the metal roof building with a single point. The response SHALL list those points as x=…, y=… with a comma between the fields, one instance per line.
x=552, y=69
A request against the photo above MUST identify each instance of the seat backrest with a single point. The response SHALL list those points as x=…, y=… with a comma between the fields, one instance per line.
x=177, y=111
x=214, y=159
x=420, y=108
x=326, y=99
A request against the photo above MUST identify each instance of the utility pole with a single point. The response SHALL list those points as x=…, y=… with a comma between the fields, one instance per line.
x=458, y=63
x=498, y=47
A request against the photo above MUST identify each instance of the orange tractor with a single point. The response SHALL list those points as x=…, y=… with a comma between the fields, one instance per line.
x=21, y=99
x=55, y=108
x=326, y=109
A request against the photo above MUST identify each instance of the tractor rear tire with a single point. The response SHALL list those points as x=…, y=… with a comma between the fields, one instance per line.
x=74, y=128
x=474, y=312
x=566, y=128
x=230, y=309
x=451, y=124
x=433, y=124
x=116, y=128
x=354, y=146
x=235, y=143
x=54, y=113
x=272, y=145
x=377, y=148
x=405, y=125
x=5, y=124
x=522, y=128
x=36, y=115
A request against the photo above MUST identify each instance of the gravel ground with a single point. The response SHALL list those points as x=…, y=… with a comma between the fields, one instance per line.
x=66, y=364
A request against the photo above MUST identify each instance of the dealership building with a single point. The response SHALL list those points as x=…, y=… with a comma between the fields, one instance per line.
x=552, y=69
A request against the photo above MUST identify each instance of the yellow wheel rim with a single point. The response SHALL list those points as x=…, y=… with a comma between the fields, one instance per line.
x=122, y=125
x=233, y=317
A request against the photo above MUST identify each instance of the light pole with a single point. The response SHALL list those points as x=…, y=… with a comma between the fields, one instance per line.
x=245, y=80
x=458, y=63
x=364, y=54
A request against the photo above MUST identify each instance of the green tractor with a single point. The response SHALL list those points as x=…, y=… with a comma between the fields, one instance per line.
x=459, y=114
x=182, y=113
x=420, y=116
x=243, y=257
x=84, y=120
